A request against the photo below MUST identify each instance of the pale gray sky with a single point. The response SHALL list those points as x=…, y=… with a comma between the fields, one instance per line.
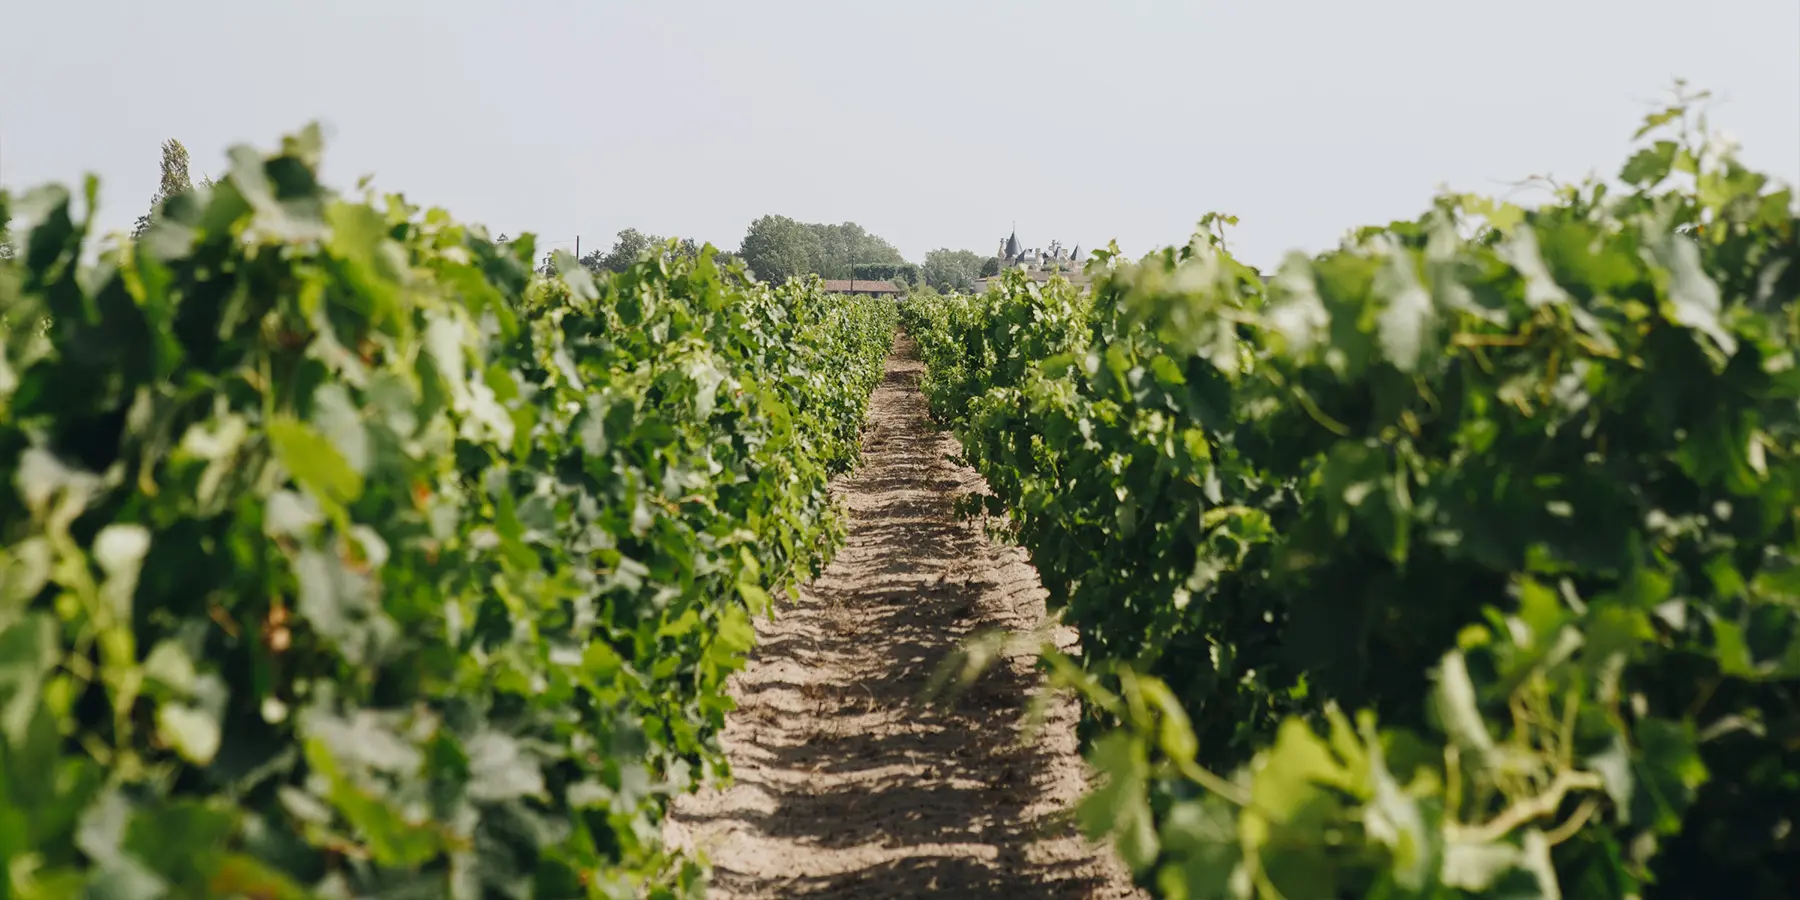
x=932, y=123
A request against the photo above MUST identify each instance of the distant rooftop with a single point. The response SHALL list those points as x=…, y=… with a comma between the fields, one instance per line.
x=860, y=286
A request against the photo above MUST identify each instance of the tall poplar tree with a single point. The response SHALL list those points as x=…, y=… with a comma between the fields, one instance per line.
x=174, y=181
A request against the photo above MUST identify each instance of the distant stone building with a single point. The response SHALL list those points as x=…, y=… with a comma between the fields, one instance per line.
x=1039, y=264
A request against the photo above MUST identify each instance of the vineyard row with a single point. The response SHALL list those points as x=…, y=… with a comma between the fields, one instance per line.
x=351, y=558
x=1460, y=560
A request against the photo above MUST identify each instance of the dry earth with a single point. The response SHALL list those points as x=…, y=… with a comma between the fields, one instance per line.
x=845, y=785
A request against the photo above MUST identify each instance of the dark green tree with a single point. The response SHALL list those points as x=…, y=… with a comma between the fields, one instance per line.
x=627, y=247
x=777, y=248
x=952, y=270
x=631, y=245
x=841, y=246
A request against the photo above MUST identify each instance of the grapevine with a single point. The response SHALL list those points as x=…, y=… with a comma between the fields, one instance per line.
x=351, y=557
x=1455, y=561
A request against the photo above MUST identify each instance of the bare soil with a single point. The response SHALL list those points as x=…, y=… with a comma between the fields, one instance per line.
x=845, y=784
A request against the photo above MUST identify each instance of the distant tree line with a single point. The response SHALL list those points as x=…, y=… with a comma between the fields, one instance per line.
x=631, y=244
x=774, y=248
x=954, y=270
x=777, y=248
x=905, y=273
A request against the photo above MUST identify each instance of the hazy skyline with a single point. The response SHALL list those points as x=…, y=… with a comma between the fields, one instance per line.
x=930, y=123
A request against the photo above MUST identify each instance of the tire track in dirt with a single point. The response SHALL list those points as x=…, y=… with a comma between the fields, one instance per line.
x=844, y=786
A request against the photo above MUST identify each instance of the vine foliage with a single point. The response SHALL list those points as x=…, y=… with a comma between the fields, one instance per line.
x=1457, y=561
x=341, y=555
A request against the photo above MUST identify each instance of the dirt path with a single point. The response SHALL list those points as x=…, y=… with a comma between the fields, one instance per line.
x=847, y=788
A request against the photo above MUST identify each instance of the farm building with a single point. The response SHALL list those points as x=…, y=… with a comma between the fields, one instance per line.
x=862, y=287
